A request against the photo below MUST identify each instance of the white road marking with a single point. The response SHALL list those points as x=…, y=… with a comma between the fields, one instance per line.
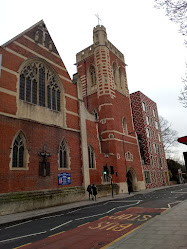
x=169, y=204
x=86, y=217
x=18, y=224
x=24, y=236
x=176, y=192
x=61, y=225
x=52, y=216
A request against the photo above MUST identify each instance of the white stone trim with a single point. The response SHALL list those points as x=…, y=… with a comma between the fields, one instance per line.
x=9, y=71
x=104, y=105
x=34, y=121
x=116, y=139
x=64, y=78
x=39, y=55
x=108, y=131
x=72, y=113
x=8, y=115
x=103, y=121
x=71, y=129
x=30, y=39
x=71, y=97
x=3, y=90
x=13, y=52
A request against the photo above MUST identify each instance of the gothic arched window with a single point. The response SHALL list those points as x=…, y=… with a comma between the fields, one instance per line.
x=19, y=151
x=63, y=155
x=38, y=85
x=91, y=157
x=124, y=125
x=120, y=77
x=92, y=75
x=114, y=67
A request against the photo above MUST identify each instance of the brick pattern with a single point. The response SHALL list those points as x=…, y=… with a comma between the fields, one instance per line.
x=158, y=169
x=113, y=142
x=14, y=54
x=105, y=81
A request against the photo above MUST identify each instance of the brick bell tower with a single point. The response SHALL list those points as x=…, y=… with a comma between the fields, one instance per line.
x=101, y=68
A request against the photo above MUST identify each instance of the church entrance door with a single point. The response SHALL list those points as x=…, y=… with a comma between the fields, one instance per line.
x=132, y=179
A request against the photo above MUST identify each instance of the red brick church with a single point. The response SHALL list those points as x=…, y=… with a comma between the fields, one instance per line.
x=59, y=135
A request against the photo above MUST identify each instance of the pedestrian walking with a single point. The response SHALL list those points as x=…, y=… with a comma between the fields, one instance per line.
x=94, y=190
x=129, y=183
x=89, y=189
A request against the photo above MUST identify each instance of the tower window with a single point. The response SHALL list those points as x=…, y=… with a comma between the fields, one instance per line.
x=93, y=75
x=115, y=72
x=124, y=125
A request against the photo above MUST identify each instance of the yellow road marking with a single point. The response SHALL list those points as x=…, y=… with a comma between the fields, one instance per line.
x=103, y=217
x=123, y=236
x=83, y=224
x=22, y=245
x=56, y=234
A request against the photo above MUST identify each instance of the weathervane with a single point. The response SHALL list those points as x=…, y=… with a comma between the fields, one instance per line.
x=99, y=19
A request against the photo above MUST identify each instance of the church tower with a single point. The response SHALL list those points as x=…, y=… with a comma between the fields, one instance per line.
x=101, y=68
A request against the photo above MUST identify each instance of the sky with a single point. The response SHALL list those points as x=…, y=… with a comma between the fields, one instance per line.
x=153, y=48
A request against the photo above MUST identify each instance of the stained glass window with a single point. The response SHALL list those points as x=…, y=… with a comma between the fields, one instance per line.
x=38, y=85
x=34, y=92
x=22, y=87
x=18, y=153
x=28, y=89
x=42, y=86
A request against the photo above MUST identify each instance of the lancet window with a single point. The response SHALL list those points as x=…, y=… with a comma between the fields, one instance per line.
x=92, y=75
x=91, y=157
x=63, y=155
x=19, y=151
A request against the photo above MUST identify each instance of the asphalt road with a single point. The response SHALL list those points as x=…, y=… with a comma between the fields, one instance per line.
x=30, y=231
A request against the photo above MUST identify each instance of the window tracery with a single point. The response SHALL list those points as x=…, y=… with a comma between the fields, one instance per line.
x=19, y=151
x=38, y=85
x=63, y=155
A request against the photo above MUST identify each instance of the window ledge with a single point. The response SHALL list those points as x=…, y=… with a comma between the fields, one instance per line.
x=64, y=169
x=19, y=169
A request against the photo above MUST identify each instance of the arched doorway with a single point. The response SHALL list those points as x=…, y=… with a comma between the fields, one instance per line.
x=132, y=178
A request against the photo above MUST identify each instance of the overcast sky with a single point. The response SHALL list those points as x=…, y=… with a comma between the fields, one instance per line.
x=153, y=48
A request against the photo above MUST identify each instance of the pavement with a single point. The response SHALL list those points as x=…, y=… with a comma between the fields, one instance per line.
x=165, y=231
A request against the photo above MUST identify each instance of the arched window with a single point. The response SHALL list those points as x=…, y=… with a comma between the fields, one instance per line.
x=19, y=152
x=91, y=157
x=39, y=86
x=114, y=67
x=92, y=75
x=124, y=125
x=120, y=77
x=63, y=155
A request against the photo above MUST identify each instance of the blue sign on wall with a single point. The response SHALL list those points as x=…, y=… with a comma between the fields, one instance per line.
x=64, y=179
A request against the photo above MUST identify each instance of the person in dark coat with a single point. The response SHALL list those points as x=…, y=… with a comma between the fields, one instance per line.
x=129, y=186
x=89, y=189
x=94, y=190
